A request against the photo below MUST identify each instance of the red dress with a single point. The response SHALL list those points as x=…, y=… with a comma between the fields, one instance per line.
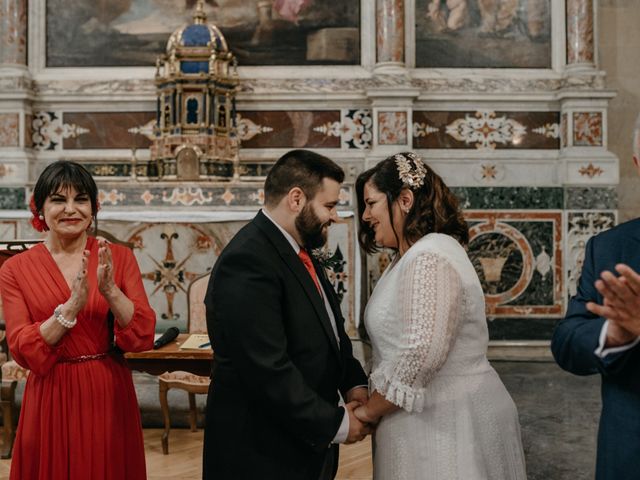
x=79, y=420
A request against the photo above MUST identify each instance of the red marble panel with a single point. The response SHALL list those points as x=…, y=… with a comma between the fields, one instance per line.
x=85, y=130
x=289, y=129
x=486, y=130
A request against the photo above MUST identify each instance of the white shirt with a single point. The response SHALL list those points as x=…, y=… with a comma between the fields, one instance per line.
x=603, y=352
x=343, y=431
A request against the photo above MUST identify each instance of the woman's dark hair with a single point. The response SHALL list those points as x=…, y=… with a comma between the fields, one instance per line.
x=435, y=208
x=63, y=174
x=299, y=168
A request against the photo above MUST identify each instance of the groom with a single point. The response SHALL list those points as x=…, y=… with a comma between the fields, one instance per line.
x=281, y=351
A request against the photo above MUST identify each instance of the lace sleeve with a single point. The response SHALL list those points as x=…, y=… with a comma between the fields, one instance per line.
x=430, y=298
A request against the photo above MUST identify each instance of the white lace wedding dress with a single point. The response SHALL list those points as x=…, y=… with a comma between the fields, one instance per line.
x=426, y=320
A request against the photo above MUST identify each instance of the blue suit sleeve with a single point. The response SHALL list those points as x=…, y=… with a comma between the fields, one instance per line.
x=576, y=337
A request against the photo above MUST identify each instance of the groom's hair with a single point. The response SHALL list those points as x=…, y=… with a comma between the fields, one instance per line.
x=299, y=168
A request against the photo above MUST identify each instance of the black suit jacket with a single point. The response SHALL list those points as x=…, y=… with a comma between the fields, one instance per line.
x=272, y=408
x=575, y=339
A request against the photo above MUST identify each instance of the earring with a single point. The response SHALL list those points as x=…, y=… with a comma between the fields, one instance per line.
x=41, y=217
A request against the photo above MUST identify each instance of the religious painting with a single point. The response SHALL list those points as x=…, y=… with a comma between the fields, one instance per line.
x=109, y=33
x=483, y=33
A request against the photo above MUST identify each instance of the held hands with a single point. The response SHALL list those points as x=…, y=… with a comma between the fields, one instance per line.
x=106, y=283
x=357, y=429
x=621, y=304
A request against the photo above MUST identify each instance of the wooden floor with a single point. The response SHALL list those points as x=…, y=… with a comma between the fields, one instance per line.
x=185, y=457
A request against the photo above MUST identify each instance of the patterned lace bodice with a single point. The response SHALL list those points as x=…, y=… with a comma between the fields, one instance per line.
x=426, y=319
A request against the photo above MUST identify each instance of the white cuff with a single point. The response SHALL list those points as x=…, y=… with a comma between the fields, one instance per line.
x=602, y=352
x=343, y=431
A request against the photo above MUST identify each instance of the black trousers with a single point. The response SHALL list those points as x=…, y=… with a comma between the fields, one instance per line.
x=330, y=466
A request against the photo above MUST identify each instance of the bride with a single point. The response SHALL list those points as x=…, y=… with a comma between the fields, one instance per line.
x=442, y=411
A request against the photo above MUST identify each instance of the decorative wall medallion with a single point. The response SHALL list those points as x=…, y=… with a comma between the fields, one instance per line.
x=591, y=171
x=112, y=197
x=357, y=129
x=392, y=128
x=147, y=197
x=9, y=136
x=187, y=196
x=488, y=172
x=549, y=130
x=170, y=257
x=227, y=197
x=247, y=129
x=518, y=258
x=587, y=129
x=485, y=130
x=49, y=131
x=581, y=226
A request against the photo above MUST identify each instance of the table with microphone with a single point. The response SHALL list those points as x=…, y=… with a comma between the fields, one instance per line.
x=167, y=356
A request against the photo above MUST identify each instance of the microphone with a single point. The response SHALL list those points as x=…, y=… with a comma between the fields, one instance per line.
x=167, y=337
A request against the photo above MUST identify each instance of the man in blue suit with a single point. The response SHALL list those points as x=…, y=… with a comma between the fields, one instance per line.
x=600, y=334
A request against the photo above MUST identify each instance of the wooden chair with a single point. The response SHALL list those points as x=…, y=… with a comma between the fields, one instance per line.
x=10, y=372
x=193, y=384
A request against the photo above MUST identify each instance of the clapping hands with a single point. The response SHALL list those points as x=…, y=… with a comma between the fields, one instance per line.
x=106, y=282
x=621, y=304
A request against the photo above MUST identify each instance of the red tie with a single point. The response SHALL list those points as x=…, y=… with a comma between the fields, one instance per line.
x=308, y=264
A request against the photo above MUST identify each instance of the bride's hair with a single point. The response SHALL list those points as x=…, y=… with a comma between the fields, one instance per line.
x=435, y=207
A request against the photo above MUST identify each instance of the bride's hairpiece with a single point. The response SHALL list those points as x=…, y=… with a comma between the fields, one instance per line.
x=412, y=176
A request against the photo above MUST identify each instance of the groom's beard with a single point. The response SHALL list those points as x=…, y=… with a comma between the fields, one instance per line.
x=311, y=229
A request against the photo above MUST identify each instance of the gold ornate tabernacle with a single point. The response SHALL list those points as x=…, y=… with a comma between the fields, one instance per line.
x=195, y=131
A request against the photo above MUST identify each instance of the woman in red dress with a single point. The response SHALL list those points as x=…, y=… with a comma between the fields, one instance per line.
x=79, y=416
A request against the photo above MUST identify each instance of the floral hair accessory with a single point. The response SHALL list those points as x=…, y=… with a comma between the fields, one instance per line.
x=412, y=176
x=37, y=220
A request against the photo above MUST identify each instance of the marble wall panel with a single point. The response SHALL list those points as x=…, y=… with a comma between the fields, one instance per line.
x=390, y=31
x=591, y=198
x=8, y=230
x=28, y=131
x=580, y=32
x=357, y=129
x=518, y=258
x=192, y=196
x=523, y=198
x=95, y=130
x=13, y=32
x=581, y=226
x=392, y=128
x=486, y=129
x=172, y=255
x=12, y=198
x=290, y=129
x=587, y=129
x=9, y=131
